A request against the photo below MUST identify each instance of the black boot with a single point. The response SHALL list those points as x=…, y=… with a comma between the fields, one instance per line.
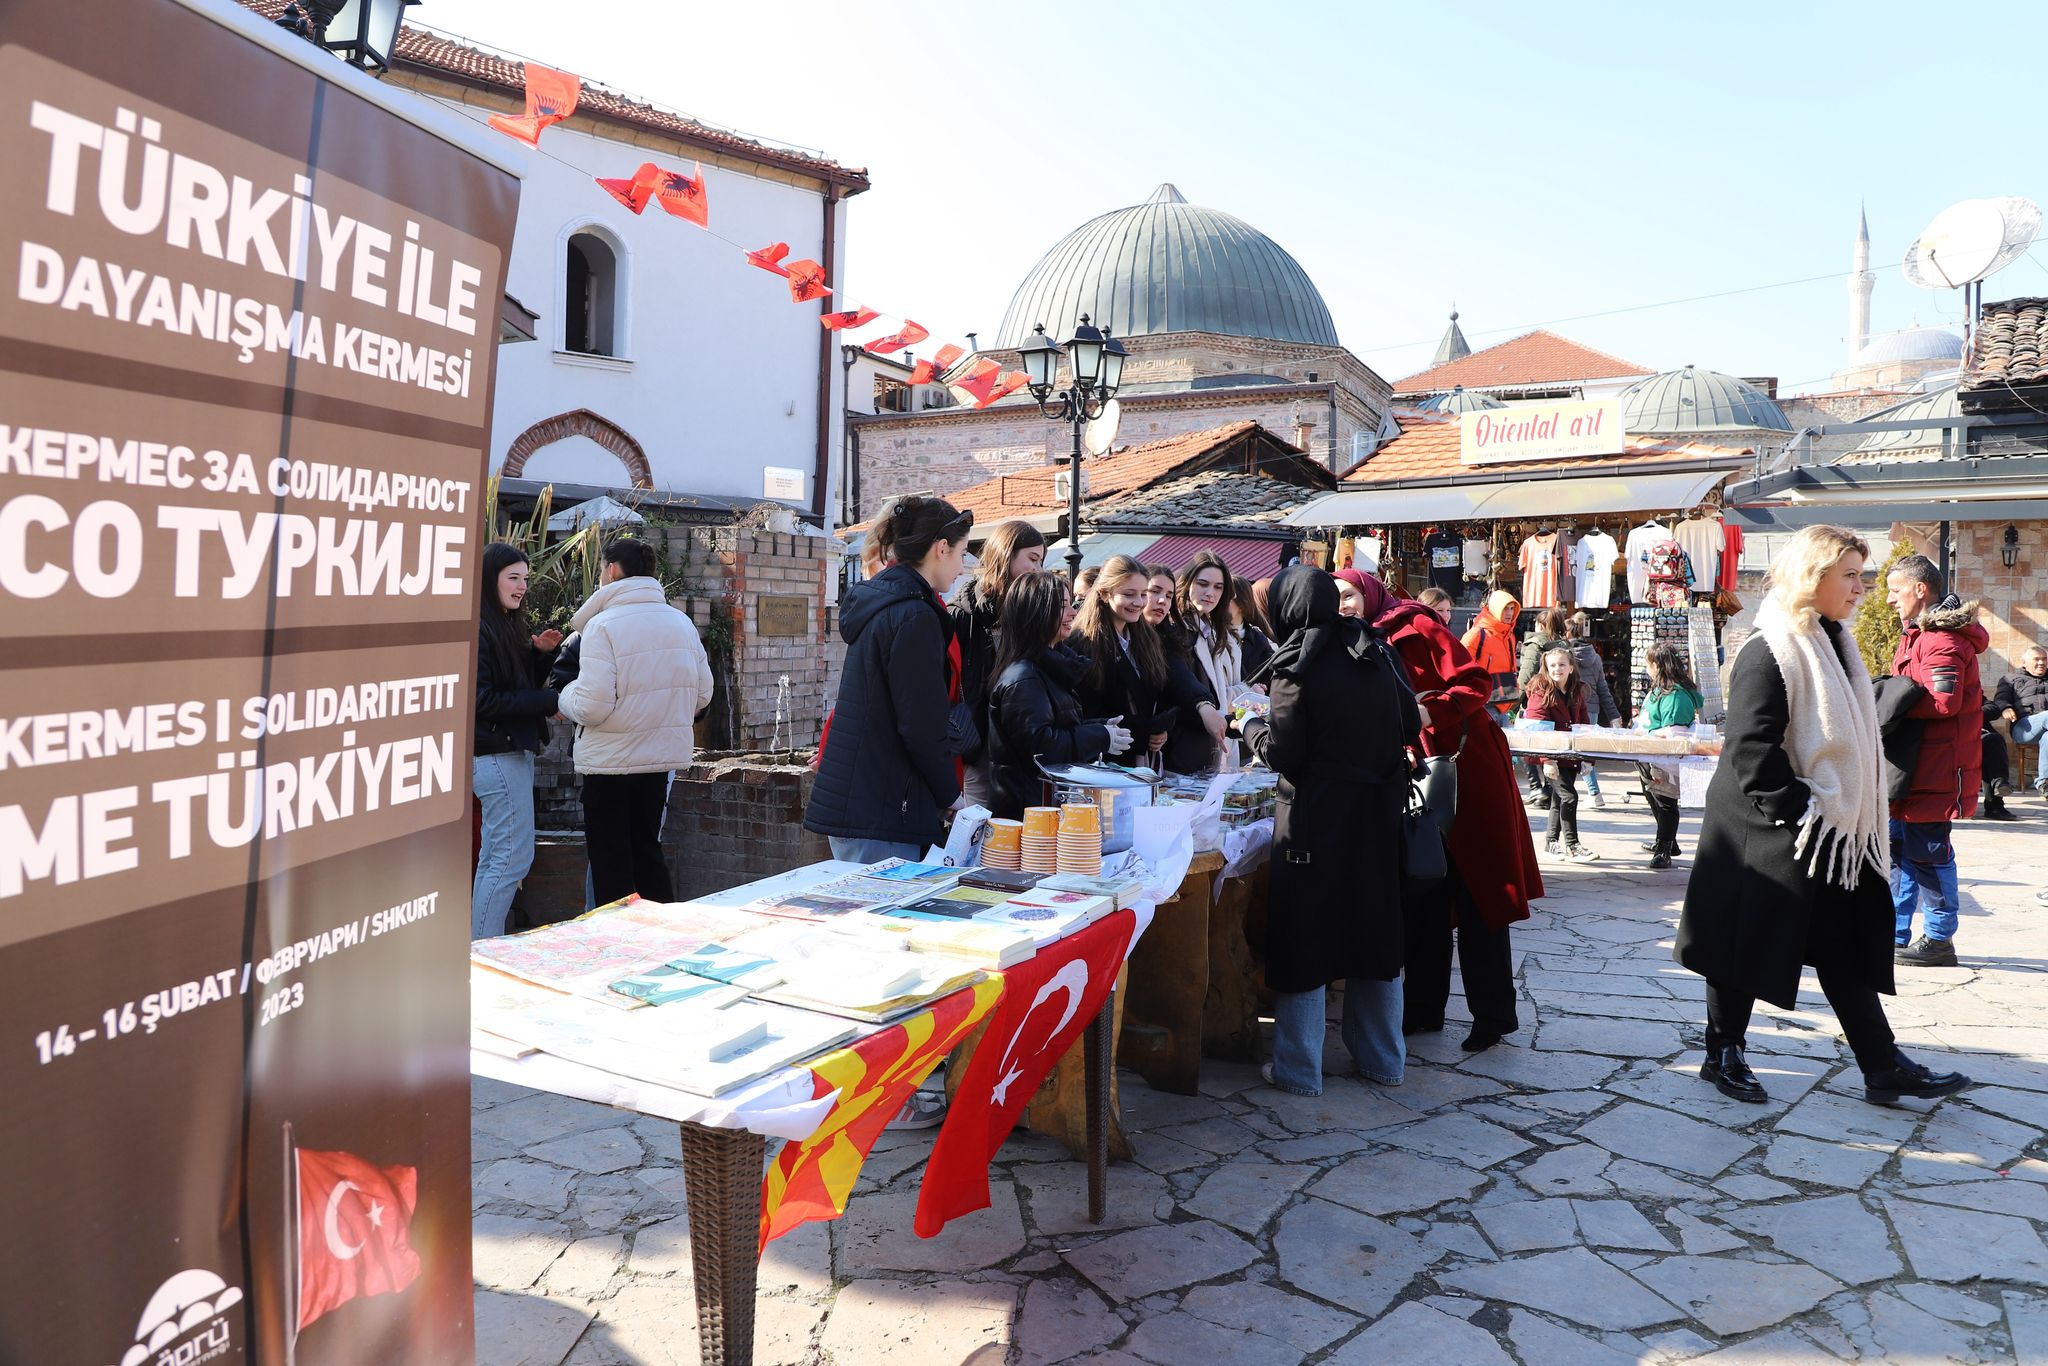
x=1992, y=808
x=1908, y=1078
x=1731, y=1075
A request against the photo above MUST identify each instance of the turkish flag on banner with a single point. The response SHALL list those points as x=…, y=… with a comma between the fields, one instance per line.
x=854, y=317
x=551, y=96
x=806, y=281
x=770, y=257
x=634, y=193
x=353, y=1225
x=928, y=371
x=911, y=335
x=684, y=196
x=1048, y=1000
x=873, y=1076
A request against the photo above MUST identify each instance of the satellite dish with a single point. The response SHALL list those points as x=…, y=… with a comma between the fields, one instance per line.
x=1971, y=240
x=1101, y=433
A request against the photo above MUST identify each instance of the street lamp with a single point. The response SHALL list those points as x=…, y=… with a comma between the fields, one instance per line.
x=363, y=32
x=2009, y=550
x=1096, y=360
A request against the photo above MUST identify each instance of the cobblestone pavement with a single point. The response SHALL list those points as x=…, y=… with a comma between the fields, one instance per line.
x=1573, y=1196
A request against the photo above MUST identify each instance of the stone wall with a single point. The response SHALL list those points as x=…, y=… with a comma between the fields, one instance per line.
x=735, y=818
x=2015, y=601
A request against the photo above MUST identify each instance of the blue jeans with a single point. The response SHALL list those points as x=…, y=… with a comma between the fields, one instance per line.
x=1592, y=780
x=2033, y=730
x=1371, y=1030
x=1923, y=877
x=503, y=783
x=871, y=851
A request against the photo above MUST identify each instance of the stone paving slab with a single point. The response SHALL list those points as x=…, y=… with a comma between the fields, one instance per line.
x=1574, y=1195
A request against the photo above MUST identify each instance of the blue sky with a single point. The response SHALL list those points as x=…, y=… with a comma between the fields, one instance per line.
x=1532, y=163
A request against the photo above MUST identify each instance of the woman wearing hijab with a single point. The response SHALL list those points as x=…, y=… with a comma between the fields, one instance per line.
x=1338, y=734
x=1491, y=641
x=1792, y=866
x=1493, y=873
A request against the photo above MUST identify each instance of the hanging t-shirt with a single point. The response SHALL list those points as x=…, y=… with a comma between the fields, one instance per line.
x=1731, y=555
x=1445, y=551
x=1593, y=561
x=1636, y=550
x=1701, y=537
x=1365, y=554
x=1539, y=572
x=1478, y=558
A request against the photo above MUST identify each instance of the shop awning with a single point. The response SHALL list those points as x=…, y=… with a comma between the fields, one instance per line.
x=1567, y=497
x=1098, y=548
x=1248, y=559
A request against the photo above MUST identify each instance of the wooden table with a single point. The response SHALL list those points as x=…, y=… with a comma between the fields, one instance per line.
x=1195, y=986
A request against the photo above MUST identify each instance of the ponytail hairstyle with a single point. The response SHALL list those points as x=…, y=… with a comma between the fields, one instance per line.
x=916, y=523
x=1033, y=608
x=998, y=553
x=506, y=634
x=1096, y=627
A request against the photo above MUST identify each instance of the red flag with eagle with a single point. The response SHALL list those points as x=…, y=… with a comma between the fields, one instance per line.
x=873, y=1076
x=928, y=371
x=912, y=333
x=854, y=317
x=634, y=193
x=1048, y=1000
x=806, y=281
x=770, y=257
x=551, y=96
x=684, y=197
x=354, y=1222
x=986, y=382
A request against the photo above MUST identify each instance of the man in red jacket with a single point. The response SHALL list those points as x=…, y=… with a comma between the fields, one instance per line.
x=1938, y=651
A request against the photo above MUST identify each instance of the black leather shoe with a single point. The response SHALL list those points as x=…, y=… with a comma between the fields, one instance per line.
x=1927, y=953
x=1994, y=810
x=1732, y=1077
x=1660, y=859
x=1908, y=1078
x=1483, y=1037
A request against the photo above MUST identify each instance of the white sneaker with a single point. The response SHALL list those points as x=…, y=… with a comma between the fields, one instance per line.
x=1579, y=853
x=1599, y=802
x=924, y=1110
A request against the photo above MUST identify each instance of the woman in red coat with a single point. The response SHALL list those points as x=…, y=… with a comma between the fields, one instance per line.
x=1493, y=870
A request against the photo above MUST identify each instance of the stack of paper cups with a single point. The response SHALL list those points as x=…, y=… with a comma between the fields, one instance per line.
x=1041, y=839
x=1080, y=838
x=1003, y=846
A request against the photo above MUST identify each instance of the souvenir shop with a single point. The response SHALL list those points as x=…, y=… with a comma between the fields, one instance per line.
x=1646, y=559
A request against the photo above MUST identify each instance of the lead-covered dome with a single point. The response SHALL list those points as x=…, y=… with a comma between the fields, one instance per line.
x=1169, y=266
x=1682, y=402
x=1910, y=346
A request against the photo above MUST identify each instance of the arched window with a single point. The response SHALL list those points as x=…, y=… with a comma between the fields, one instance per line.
x=590, y=313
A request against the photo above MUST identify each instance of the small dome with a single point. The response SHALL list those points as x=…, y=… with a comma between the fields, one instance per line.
x=1909, y=345
x=1690, y=401
x=1459, y=401
x=1940, y=403
x=1169, y=266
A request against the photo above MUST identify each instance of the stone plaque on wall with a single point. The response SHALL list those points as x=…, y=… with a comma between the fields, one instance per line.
x=783, y=614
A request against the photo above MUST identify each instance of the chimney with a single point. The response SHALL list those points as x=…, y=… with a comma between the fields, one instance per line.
x=973, y=343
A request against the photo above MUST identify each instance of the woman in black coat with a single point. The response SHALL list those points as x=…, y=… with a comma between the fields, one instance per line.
x=1131, y=674
x=1013, y=549
x=1034, y=714
x=1790, y=868
x=886, y=781
x=512, y=711
x=1338, y=733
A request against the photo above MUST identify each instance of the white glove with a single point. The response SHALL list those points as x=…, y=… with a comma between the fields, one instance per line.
x=1119, y=738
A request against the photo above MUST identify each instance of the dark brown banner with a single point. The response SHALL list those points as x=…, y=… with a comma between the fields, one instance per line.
x=248, y=320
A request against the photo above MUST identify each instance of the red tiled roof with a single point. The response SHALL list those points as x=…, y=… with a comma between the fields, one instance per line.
x=1531, y=359
x=1427, y=448
x=426, y=51
x=1031, y=492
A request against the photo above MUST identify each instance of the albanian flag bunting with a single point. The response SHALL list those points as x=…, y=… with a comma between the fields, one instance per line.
x=986, y=382
x=634, y=193
x=928, y=371
x=806, y=281
x=911, y=335
x=683, y=196
x=354, y=1222
x=551, y=96
x=769, y=258
x=857, y=317
x=1047, y=1001
x=873, y=1077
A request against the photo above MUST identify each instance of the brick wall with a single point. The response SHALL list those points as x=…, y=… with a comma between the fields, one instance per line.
x=734, y=818
x=2015, y=601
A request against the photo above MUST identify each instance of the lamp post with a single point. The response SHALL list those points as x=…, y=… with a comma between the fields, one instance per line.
x=1097, y=362
x=2009, y=548
x=363, y=33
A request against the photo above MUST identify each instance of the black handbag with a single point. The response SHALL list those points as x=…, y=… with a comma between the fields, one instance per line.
x=1423, y=861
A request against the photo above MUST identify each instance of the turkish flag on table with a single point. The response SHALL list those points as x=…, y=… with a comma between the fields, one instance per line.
x=873, y=1077
x=1048, y=999
x=353, y=1224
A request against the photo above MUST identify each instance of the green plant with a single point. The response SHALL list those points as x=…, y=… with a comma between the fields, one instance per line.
x=565, y=568
x=1876, y=625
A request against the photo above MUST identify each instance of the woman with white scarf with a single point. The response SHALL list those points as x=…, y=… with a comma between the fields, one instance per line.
x=1793, y=865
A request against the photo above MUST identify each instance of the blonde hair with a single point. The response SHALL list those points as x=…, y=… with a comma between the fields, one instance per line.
x=1797, y=571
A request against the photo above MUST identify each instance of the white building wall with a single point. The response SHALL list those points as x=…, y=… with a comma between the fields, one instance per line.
x=717, y=371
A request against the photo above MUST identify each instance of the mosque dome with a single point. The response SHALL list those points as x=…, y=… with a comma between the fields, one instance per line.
x=1910, y=345
x=1169, y=266
x=1459, y=400
x=1691, y=401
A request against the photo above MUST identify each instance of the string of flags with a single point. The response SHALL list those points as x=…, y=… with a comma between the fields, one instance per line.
x=552, y=96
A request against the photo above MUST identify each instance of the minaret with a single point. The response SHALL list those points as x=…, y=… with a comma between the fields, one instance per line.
x=1861, y=282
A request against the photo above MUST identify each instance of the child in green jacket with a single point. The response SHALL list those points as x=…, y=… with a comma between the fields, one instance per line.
x=1674, y=700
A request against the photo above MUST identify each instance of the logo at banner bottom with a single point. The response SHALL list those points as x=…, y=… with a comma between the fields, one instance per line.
x=186, y=1322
